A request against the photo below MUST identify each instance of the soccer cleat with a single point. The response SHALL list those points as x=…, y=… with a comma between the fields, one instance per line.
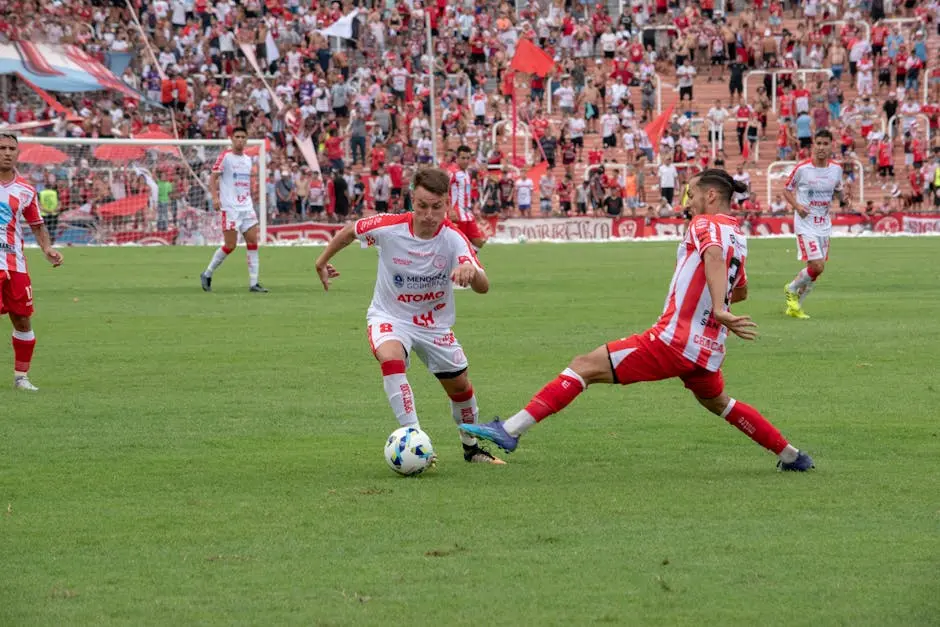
x=797, y=313
x=493, y=432
x=476, y=454
x=802, y=463
x=794, y=309
x=257, y=288
x=206, y=280
x=22, y=383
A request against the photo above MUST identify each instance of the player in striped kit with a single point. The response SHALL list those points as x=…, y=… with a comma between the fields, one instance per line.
x=461, y=201
x=230, y=186
x=688, y=341
x=18, y=199
x=810, y=189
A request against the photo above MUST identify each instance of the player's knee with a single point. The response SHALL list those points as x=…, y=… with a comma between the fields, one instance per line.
x=390, y=351
x=593, y=367
x=716, y=405
x=21, y=323
x=817, y=267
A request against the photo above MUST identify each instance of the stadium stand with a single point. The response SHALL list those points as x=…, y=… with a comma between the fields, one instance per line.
x=866, y=69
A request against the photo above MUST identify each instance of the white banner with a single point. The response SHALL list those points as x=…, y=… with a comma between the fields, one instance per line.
x=920, y=226
x=554, y=229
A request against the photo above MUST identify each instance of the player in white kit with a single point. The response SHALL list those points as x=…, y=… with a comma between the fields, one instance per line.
x=230, y=186
x=810, y=189
x=422, y=256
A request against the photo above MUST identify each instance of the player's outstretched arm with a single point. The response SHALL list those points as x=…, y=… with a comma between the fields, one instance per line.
x=45, y=244
x=325, y=270
x=716, y=276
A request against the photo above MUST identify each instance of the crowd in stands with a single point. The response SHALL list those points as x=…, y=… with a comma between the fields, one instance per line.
x=366, y=103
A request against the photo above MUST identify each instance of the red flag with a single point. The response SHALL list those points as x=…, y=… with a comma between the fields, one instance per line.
x=534, y=174
x=531, y=59
x=654, y=130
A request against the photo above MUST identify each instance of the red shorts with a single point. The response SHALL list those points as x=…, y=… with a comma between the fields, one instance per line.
x=471, y=229
x=16, y=293
x=643, y=357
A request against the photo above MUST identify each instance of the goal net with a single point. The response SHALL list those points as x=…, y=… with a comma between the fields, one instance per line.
x=122, y=191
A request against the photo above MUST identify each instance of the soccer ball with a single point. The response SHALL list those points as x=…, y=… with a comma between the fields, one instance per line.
x=408, y=451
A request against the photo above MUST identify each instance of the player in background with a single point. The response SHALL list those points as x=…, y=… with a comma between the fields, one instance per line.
x=18, y=199
x=230, y=186
x=422, y=256
x=809, y=190
x=461, y=202
x=687, y=342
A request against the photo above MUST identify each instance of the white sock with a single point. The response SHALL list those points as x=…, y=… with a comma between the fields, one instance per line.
x=253, y=267
x=519, y=424
x=789, y=454
x=217, y=258
x=801, y=280
x=465, y=412
x=400, y=397
x=805, y=291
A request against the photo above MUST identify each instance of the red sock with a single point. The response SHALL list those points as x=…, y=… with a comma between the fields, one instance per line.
x=755, y=426
x=23, y=344
x=811, y=271
x=555, y=396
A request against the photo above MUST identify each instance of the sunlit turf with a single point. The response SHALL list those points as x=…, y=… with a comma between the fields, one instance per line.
x=217, y=458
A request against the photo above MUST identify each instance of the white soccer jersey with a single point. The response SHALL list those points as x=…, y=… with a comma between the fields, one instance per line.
x=687, y=323
x=17, y=199
x=235, y=182
x=815, y=189
x=460, y=200
x=413, y=283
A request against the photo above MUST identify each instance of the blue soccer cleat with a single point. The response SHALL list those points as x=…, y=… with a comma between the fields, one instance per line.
x=494, y=432
x=802, y=463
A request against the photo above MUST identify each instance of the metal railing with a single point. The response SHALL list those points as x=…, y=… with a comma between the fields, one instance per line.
x=862, y=23
x=526, y=136
x=773, y=83
x=887, y=128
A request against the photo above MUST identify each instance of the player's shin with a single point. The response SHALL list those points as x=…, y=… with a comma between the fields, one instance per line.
x=399, y=393
x=218, y=257
x=253, y=264
x=750, y=422
x=800, y=281
x=24, y=342
x=551, y=399
x=463, y=407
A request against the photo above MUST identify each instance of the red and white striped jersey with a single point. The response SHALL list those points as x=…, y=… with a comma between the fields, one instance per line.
x=815, y=189
x=18, y=199
x=687, y=323
x=235, y=182
x=460, y=200
x=413, y=282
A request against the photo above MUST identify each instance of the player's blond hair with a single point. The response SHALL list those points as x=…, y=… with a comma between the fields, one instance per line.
x=435, y=180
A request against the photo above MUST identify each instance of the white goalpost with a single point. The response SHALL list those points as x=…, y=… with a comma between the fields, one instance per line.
x=143, y=190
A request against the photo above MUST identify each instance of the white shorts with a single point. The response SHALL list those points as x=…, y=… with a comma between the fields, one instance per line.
x=239, y=219
x=437, y=348
x=812, y=247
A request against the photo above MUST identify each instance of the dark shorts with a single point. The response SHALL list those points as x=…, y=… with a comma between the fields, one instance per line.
x=668, y=193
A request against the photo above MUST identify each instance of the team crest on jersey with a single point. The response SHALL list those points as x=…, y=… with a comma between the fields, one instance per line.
x=439, y=261
x=399, y=280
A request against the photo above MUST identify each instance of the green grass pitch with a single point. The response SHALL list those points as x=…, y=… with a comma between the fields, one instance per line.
x=202, y=459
